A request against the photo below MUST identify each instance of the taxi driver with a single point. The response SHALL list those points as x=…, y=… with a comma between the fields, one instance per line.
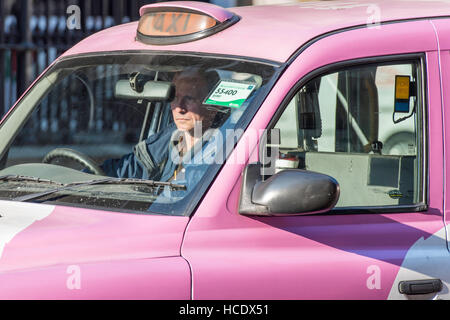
x=153, y=158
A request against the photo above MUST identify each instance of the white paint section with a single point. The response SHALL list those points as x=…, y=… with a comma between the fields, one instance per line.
x=16, y=217
x=426, y=259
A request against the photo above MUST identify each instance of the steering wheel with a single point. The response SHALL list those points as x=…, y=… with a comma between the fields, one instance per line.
x=86, y=161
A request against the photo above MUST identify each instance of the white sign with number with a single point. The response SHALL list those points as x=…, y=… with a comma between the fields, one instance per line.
x=230, y=93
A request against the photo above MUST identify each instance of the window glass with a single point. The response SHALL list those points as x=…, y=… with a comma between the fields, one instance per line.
x=155, y=121
x=355, y=125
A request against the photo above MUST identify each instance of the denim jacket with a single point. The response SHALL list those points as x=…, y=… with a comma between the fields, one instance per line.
x=156, y=158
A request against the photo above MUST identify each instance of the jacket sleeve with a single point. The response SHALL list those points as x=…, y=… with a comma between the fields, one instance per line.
x=138, y=164
x=147, y=160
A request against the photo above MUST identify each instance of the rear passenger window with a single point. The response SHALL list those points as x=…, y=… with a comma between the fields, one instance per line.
x=363, y=126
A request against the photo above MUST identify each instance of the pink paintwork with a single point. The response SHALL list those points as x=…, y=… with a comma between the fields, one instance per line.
x=218, y=13
x=218, y=253
x=271, y=32
x=118, y=255
x=106, y=280
x=316, y=257
x=67, y=235
x=443, y=34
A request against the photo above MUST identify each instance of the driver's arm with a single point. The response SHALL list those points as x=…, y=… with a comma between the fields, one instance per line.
x=126, y=167
x=147, y=160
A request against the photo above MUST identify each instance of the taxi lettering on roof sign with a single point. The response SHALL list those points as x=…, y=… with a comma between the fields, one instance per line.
x=170, y=25
x=271, y=152
x=174, y=24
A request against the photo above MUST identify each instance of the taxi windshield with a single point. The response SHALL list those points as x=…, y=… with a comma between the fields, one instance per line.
x=133, y=132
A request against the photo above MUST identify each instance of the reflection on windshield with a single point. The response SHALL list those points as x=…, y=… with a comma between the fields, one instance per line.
x=131, y=116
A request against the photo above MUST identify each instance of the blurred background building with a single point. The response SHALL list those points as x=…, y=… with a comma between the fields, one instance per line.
x=36, y=32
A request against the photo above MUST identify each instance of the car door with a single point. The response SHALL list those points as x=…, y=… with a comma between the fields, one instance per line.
x=58, y=252
x=378, y=236
x=443, y=33
x=96, y=246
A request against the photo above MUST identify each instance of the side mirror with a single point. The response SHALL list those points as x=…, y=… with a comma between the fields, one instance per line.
x=150, y=90
x=288, y=192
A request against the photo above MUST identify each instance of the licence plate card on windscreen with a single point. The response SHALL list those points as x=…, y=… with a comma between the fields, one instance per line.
x=230, y=94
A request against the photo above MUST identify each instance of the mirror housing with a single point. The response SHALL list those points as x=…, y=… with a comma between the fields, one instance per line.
x=152, y=91
x=288, y=192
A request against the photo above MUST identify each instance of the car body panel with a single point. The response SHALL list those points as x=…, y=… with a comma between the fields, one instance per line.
x=442, y=29
x=148, y=279
x=52, y=251
x=324, y=256
x=41, y=241
x=443, y=34
x=286, y=28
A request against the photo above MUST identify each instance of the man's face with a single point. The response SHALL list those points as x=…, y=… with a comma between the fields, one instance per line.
x=187, y=107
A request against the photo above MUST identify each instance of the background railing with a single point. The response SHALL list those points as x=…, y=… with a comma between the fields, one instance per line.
x=33, y=33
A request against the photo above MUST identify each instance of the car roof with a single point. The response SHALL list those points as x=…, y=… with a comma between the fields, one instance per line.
x=273, y=32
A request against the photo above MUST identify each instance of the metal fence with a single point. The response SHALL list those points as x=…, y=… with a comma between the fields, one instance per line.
x=35, y=32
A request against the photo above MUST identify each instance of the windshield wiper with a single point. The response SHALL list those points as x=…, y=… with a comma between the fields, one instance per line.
x=109, y=180
x=19, y=178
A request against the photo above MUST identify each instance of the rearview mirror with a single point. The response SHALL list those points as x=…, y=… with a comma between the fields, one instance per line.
x=151, y=91
x=288, y=192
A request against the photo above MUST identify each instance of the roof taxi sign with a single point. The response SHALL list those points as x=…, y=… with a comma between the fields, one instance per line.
x=178, y=22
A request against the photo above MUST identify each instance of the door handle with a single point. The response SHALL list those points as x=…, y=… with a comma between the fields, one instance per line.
x=420, y=286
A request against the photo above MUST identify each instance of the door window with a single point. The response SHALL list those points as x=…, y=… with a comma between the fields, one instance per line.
x=362, y=126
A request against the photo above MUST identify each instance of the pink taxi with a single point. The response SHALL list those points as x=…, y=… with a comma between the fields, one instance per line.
x=272, y=152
